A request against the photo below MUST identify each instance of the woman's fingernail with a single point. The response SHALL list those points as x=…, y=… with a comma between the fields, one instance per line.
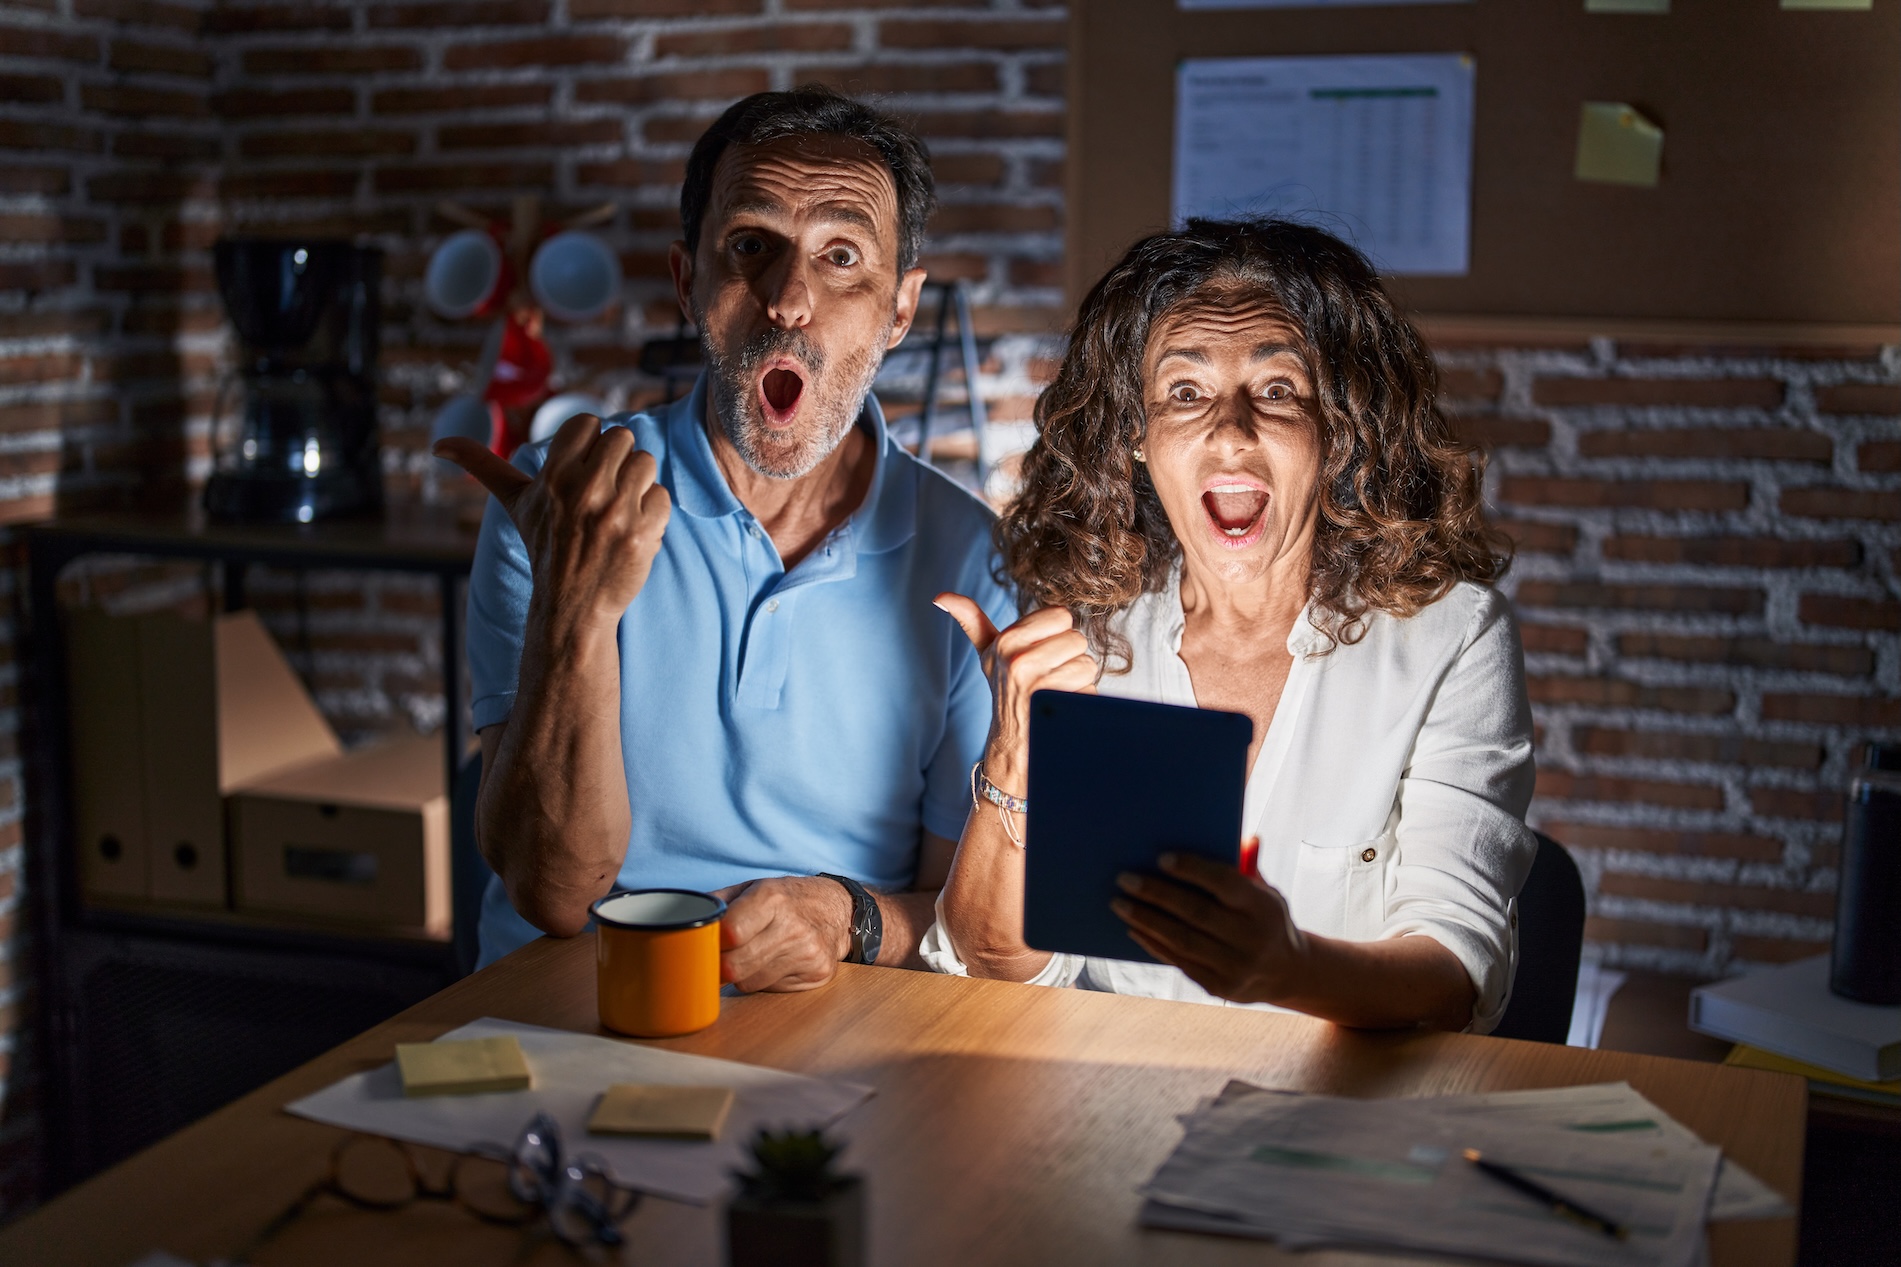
x=1171, y=860
x=1122, y=906
x=1129, y=882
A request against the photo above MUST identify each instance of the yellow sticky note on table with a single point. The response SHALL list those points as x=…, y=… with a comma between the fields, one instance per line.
x=1618, y=146
x=1627, y=6
x=1828, y=4
x=464, y=1067
x=632, y=1108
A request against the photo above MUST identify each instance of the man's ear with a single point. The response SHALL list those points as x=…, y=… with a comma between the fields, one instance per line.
x=910, y=286
x=680, y=264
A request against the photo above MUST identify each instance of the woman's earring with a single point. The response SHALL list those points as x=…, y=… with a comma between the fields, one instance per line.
x=1136, y=453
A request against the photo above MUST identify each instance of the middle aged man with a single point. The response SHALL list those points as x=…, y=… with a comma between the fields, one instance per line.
x=702, y=641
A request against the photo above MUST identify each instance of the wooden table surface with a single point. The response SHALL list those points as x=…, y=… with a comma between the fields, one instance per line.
x=1011, y=1124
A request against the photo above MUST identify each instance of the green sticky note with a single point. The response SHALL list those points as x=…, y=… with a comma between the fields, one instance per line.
x=1627, y=6
x=1828, y=4
x=1618, y=146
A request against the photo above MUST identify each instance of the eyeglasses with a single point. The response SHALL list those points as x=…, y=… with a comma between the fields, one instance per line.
x=516, y=1187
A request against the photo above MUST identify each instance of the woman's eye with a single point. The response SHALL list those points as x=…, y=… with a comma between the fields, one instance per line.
x=1279, y=391
x=842, y=256
x=1184, y=393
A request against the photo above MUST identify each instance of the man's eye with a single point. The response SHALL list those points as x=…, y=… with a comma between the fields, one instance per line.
x=748, y=245
x=842, y=256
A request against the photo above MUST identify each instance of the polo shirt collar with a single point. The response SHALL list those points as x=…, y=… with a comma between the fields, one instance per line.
x=886, y=520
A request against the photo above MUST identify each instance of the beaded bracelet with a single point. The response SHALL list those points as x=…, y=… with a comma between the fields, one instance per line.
x=1007, y=806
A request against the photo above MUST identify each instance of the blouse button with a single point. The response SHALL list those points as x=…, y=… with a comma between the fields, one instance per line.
x=1368, y=854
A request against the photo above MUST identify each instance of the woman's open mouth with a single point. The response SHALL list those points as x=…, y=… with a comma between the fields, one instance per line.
x=1237, y=512
x=780, y=389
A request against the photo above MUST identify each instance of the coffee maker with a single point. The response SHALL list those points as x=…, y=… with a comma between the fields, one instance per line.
x=302, y=446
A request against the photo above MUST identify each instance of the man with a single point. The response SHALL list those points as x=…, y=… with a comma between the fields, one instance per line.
x=702, y=642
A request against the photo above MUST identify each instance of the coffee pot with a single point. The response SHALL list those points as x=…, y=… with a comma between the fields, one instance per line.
x=302, y=444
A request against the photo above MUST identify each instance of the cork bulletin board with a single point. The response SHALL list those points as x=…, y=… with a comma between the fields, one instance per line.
x=1780, y=195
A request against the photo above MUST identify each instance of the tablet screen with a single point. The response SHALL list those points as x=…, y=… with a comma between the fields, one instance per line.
x=1114, y=784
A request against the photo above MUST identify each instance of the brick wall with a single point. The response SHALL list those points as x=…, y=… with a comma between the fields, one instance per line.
x=1709, y=576
x=1708, y=534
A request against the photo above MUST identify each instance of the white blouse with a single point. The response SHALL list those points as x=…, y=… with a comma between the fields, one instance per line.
x=1389, y=795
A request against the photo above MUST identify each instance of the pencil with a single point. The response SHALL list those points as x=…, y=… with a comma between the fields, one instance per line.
x=1558, y=1205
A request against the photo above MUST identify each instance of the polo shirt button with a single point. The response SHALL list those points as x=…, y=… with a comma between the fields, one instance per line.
x=772, y=604
x=752, y=530
x=1368, y=854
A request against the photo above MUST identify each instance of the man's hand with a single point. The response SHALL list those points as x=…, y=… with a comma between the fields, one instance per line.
x=783, y=934
x=1229, y=932
x=591, y=518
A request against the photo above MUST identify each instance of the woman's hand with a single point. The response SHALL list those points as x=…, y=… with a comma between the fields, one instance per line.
x=1229, y=932
x=1044, y=651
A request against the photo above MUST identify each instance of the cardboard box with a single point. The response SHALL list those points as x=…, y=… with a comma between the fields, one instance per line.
x=362, y=839
x=170, y=714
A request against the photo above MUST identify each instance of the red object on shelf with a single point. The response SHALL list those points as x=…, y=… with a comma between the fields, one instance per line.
x=522, y=370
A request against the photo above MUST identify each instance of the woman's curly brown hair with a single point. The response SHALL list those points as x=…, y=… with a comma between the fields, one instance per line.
x=1401, y=519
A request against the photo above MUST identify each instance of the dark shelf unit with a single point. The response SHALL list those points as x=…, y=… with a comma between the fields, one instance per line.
x=148, y=1020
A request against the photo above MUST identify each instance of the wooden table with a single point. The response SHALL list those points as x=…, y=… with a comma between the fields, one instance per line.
x=1011, y=1125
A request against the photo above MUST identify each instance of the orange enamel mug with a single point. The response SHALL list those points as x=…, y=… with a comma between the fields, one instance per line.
x=657, y=961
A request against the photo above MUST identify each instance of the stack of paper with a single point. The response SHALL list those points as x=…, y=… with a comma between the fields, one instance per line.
x=1317, y=1170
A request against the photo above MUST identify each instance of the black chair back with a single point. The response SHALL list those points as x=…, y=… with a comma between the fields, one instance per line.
x=1550, y=944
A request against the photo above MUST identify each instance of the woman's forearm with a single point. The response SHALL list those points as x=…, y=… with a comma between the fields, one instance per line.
x=982, y=902
x=553, y=817
x=1396, y=983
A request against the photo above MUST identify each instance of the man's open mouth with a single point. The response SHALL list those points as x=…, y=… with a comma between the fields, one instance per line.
x=1236, y=510
x=780, y=389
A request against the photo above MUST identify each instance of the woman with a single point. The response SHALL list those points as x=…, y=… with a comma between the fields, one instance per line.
x=1243, y=496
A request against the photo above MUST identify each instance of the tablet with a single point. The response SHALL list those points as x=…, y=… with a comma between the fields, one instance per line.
x=1113, y=785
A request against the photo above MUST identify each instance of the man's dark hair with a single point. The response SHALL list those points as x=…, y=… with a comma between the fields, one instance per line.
x=815, y=110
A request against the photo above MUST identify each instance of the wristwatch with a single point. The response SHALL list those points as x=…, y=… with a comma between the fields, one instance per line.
x=867, y=925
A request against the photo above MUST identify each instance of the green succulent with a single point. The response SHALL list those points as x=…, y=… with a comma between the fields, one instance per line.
x=791, y=1166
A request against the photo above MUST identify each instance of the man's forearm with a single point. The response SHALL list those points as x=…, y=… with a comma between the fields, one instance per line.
x=553, y=816
x=906, y=916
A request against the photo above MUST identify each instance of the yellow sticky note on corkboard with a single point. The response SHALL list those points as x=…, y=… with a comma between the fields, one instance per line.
x=632, y=1108
x=465, y=1067
x=1828, y=4
x=1618, y=146
x=1627, y=6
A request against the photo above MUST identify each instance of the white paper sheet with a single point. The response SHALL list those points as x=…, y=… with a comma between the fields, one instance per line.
x=1375, y=149
x=1596, y=987
x=571, y=1071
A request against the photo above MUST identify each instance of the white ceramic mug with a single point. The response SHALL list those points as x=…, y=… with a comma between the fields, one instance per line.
x=558, y=409
x=574, y=276
x=467, y=275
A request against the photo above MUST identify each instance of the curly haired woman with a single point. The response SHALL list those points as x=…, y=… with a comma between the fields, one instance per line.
x=1243, y=496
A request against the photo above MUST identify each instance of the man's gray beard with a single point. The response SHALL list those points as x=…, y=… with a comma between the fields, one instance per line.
x=735, y=386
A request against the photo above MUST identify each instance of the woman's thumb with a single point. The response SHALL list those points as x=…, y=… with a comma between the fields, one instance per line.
x=969, y=617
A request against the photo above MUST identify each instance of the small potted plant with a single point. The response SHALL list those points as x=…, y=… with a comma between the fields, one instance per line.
x=792, y=1209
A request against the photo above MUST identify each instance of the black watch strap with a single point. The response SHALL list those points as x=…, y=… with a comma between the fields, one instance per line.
x=867, y=924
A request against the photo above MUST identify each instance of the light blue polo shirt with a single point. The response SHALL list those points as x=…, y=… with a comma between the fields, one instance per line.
x=772, y=722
